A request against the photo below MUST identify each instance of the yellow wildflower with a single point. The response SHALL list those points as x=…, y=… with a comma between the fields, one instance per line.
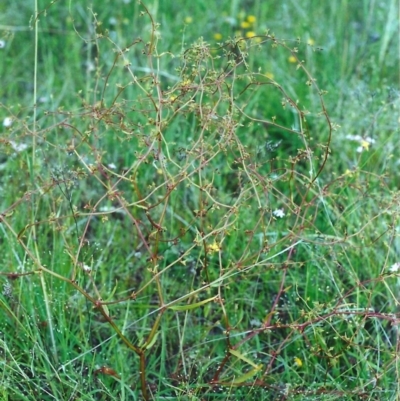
x=365, y=144
x=292, y=59
x=186, y=82
x=188, y=20
x=217, y=36
x=214, y=247
x=298, y=362
x=250, y=34
x=251, y=19
x=245, y=25
x=310, y=42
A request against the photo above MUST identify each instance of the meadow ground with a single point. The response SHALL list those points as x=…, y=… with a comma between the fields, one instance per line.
x=199, y=202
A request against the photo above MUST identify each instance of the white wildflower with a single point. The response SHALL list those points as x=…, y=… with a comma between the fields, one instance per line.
x=255, y=323
x=231, y=21
x=364, y=142
x=356, y=138
x=18, y=147
x=369, y=140
x=2, y=44
x=87, y=269
x=7, y=122
x=106, y=209
x=90, y=67
x=395, y=267
x=278, y=213
x=7, y=289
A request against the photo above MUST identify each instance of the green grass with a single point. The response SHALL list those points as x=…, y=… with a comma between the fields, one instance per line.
x=143, y=254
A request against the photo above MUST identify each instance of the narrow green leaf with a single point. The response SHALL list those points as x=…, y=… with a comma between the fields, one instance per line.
x=191, y=306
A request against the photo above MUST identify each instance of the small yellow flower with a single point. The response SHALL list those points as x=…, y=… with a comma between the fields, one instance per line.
x=251, y=19
x=217, y=36
x=245, y=25
x=292, y=59
x=310, y=42
x=250, y=34
x=186, y=82
x=214, y=247
x=298, y=362
x=269, y=75
x=188, y=20
x=365, y=144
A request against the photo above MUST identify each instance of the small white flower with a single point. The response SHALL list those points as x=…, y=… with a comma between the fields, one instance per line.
x=395, y=267
x=87, y=269
x=231, y=21
x=7, y=289
x=2, y=44
x=7, y=122
x=357, y=138
x=112, y=166
x=364, y=142
x=255, y=323
x=90, y=67
x=18, y=147
x=278, y=213
x=105, y=209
